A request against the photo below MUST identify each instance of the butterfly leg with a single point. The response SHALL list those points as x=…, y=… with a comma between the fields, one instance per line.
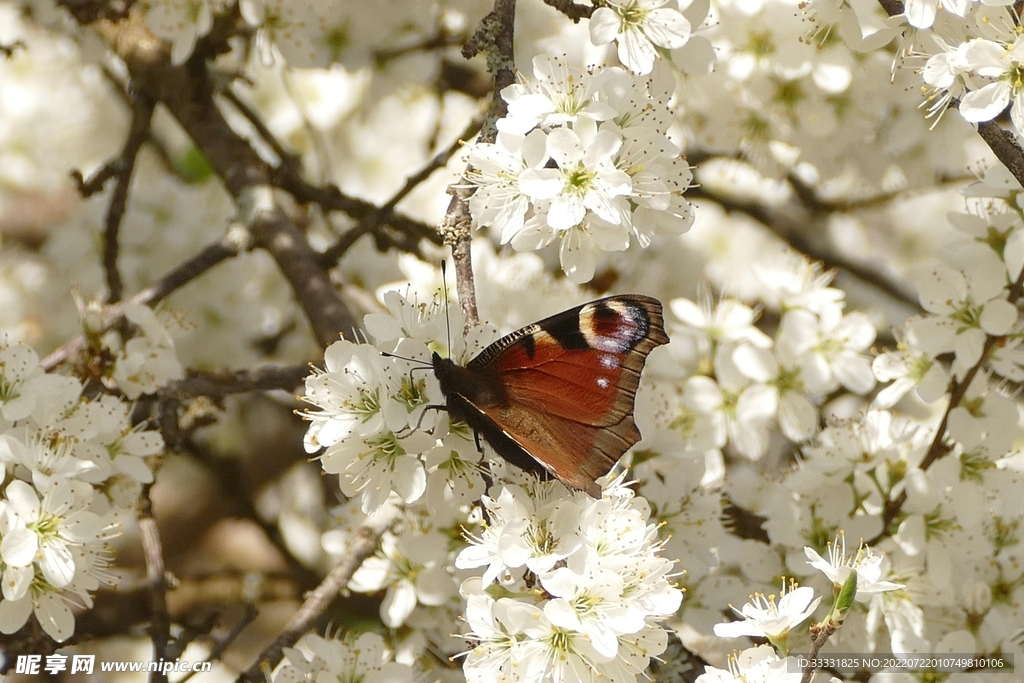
x=419, y=422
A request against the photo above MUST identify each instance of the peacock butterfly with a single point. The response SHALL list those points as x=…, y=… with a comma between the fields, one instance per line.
x=557, y=395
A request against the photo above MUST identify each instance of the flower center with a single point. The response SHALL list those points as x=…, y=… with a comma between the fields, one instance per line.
x=579, y=179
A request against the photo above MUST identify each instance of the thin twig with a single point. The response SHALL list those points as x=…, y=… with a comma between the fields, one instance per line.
x=372, y=222
x=96, y=181
x=155, y=144
x=495, y=37
x=155, y=293
x=820, y=633
x=439, y=41
x=226, y=383
x=360, y=546
x=160, y=620
x=287, y=159
x=189, y=633
x=406, y=232
x=142, y=115
x=221, y=647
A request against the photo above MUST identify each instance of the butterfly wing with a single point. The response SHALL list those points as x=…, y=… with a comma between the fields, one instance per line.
x=569, y=385
x=583, y=364
x=575, y=453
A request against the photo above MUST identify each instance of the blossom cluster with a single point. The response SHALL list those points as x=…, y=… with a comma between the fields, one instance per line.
x=974, y=53
x=304, y=34
x=372, y=420
x=870, y=452
x=854, y=578
x=73, y=467
x=315, y=659
x=585, y=584
x=980, y=72
x=584, y=158
x=742, y=382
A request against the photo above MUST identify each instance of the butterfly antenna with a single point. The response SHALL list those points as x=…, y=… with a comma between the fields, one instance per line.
x=423, y=365
x=388, y=354
x=447, y=314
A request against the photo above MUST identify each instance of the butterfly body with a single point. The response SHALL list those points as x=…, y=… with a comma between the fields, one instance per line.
x=558, y=395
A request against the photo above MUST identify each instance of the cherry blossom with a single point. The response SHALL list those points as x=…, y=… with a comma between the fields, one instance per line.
x=640, y=27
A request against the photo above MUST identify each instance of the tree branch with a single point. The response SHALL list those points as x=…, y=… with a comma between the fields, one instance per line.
x=791, y=230
x=405, y=233
x=142, y=114
x=571, y=9
x=287, y=159
x=1005, y=147
x=188, y=95
x=495, y=37
x=228, y=382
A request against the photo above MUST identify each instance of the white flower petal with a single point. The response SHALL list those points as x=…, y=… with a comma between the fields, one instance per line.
x=998, y=317
x=604, y=26
x=667, y=28
x=986, y=103
x=636, y=51
x=19, y=547
x=398, y=604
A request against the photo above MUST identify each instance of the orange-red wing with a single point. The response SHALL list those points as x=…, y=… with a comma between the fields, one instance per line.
x=581, y=365
x=575, y=453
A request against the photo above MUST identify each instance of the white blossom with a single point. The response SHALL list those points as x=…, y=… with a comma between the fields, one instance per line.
x=412, y=569
x=965, y=307
x=148, y=361
x=761, y=664
x=764, y=617
x=908, y=367
x=373, y=466
x=869, y=566
x=52, y=548
x=604, y=587
x=558, y=94
x=352, y=393
x=1001, y=63
x=365, y=657
x=640, y=27
x=583, y=158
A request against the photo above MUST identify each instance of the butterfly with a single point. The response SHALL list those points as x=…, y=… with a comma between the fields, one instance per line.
x=557, y=396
